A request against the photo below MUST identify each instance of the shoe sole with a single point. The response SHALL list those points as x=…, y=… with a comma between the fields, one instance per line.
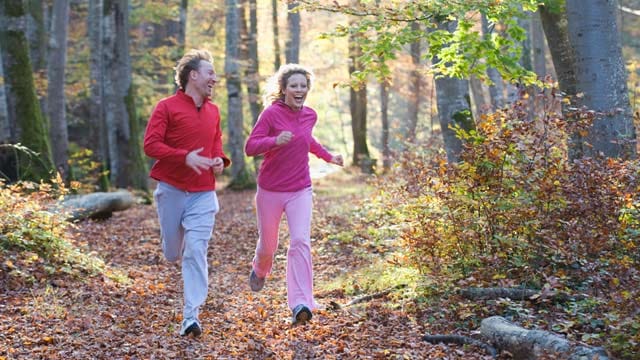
x=193, y=329
x=255, y=283
x=303, y=316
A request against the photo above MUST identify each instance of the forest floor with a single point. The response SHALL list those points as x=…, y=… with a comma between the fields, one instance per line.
x=99, y=318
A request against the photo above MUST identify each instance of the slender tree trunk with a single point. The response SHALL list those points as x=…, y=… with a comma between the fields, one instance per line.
x=182, y=27
x=555, y=26
x=6, y=133
x=496, y=90
x=253, y=71
x=276, y=36
x=538, y=46
x=358, y=107
x=239, y=175
x=293, y=36
x=56, y=98
x=416, y=84
x=384, y=115
x=97, y=128
x=601, y=76
x=562, y=54
x=23, y=106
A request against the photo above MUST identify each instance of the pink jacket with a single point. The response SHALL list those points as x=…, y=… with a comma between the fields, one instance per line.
x=286, y=167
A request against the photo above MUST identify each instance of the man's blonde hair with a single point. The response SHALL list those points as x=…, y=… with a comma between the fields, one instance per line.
x=190, y=61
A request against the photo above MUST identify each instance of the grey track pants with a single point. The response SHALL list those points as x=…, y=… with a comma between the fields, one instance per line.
x=186, y=224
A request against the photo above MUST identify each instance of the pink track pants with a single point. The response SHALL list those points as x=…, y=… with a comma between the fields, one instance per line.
x=297, y=206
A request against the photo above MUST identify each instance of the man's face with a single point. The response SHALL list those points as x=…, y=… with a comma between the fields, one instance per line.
x=204, y=78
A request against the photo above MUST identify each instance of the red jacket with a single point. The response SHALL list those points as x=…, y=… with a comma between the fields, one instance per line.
x=176, y=127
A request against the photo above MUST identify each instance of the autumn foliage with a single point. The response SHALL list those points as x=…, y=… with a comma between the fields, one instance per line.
x=516, y=211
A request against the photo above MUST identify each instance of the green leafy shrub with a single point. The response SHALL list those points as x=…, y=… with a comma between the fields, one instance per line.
x=34, y=236
x=516, y=211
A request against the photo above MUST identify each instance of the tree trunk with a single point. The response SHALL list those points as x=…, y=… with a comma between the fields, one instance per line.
x=416, y=83
x=496, y=90
x=555, y=29
x=37, y=35
x=253, y=71
x=453, y=103
x=6, y=133
x=23, y=106
x=276, y=35
x=182, y=26
x=56, y=98
x=98, y=205
x=478, y=102
x=125, y=154
x=358, y=107
x=533, y=344
x=239, y=175
x=384, y=115
x=97, y=125
x=538, y=46
x=292, y=50
x=601, y=77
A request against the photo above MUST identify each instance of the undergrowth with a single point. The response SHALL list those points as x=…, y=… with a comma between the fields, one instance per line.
x=35, y=241
x=515, y=211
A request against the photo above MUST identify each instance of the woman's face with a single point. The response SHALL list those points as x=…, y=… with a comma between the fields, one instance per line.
x=296, y=91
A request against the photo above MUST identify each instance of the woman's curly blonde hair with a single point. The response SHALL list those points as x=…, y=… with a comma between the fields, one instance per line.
x=276, y=84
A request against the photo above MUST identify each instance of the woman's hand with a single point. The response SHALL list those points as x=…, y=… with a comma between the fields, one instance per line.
x=284, y=137
x=337, y=159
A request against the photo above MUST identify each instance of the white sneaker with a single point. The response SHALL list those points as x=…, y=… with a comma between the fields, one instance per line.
x=190, y=326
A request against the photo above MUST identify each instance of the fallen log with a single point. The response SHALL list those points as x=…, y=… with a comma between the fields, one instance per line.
x=533, y=344
x=98, y=205
x=493, y=293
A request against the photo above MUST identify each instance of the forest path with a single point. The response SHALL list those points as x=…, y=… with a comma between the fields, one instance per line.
x=106, y=320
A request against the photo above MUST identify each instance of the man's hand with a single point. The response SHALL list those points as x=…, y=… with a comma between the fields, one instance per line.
x=337, y=159
x=198, y=163
x=218, y=165
x=284, y=137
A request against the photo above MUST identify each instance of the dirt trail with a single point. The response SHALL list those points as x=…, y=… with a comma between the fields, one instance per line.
x=105, y=320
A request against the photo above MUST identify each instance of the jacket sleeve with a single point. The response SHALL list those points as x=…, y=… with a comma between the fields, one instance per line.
x=259, y=142
x=318, y=150
x=154, y=145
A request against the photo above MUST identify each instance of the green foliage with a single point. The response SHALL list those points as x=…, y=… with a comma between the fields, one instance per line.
x=386, y=27
x=33, y=237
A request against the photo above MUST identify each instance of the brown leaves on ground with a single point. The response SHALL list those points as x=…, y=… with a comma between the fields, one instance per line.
x=101, y=319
